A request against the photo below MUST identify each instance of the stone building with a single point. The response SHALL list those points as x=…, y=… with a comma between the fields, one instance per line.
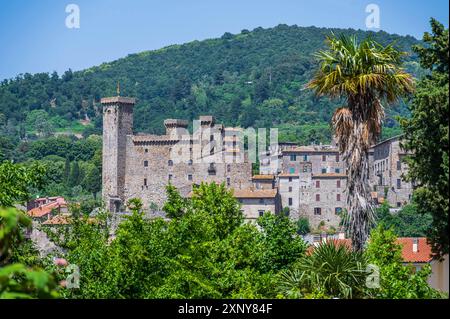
x=312, y=183
x=387, y=171
x=142, y=165
x=255, y=202
x=312, y=179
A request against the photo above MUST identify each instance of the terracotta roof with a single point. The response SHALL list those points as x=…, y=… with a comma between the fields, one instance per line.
x=422, y=255
x=325, y=175
x=255, y=193
x=58, y=220
x=65, y=219
x=288, y=175
x=47, y=208
x=263, y=177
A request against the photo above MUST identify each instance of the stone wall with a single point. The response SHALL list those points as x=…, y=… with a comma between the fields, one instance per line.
x=141, y=166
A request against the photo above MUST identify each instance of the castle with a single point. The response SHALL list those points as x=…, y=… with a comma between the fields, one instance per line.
x=309, y=180
x=141, y=165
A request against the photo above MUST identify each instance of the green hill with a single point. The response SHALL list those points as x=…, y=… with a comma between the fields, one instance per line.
x=254, y=78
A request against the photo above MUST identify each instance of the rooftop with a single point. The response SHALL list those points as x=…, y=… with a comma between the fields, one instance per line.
x=255, y=193
x=47, y=208
x=263, y=177
x=329, y=175
x=423, y=253
x=118, y=99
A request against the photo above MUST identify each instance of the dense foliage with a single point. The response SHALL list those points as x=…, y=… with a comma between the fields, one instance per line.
x=254, y=78
x=407, y=222
x=205, y=251
x=426, y=135
x=396, y=281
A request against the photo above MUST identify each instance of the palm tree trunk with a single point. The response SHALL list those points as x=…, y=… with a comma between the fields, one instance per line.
x=356, y=128
x=360, y=214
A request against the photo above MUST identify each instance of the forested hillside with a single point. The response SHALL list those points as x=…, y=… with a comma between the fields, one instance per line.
x=254, y=78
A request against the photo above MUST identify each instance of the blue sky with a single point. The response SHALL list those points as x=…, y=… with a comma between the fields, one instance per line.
x=35, y=39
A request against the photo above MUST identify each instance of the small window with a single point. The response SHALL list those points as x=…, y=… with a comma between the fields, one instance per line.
x=290, y=179
x=305, y=158
x=190, y=162
x=170, y=163
x=293, y=157
x=261, y=213
x=211, y=138
x=290, y=189
x=228, y=181
x=211, y=152
x=337, y=170
x=399, y=204
x=337, y=158
x=317, y=211
x=324, y=170
x=317, y=197
x=399, y=183
x=338, y=184
x=338, y=197
x=338, y=210
x=317, y=184
x=228, y=168
x=290, y=201
x=190, y=177
x=324, y=158
x=145, y=182
x=145, y=163
x=399, y=166
x=170, y=177
x=146, y=150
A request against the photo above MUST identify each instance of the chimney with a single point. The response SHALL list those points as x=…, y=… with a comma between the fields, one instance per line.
x=415, y=245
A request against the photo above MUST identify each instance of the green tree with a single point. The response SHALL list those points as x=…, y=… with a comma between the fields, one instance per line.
x=407, y=222
x=303, y=227
x=218, y=202
x=396, y=280
x=74, y=177
x=426, y=136
x=282, y=245
x=366, y=74
x=17, y=281
x=92, y=182
x=175, y=205
x=16, y=180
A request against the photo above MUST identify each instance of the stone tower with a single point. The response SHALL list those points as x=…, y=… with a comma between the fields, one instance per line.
x=117, y=124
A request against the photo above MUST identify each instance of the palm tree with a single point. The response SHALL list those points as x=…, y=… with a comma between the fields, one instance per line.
x=365, y=74
x=333, y=270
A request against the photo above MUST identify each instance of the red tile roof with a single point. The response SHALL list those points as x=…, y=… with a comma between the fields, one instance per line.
x=255, y=193
x=47, y=208
x=58, y=220
x=422, y=255
x=263, y=177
